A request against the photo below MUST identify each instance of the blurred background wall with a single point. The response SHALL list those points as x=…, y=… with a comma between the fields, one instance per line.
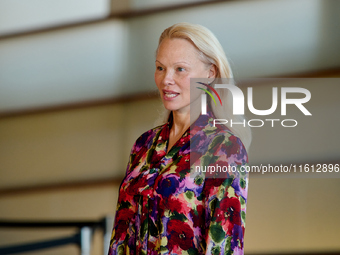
x=77, y=89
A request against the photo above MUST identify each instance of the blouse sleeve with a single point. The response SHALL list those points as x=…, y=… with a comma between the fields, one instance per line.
x=225, y=192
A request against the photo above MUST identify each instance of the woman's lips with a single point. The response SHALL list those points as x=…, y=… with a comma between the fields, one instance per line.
x=169, y=95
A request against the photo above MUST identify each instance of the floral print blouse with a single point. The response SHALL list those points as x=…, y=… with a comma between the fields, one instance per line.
x=169, y=203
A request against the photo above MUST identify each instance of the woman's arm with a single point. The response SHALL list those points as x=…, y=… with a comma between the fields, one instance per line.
x=225, y=195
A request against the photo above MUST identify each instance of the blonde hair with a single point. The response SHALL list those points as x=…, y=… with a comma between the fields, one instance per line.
x=210, y=52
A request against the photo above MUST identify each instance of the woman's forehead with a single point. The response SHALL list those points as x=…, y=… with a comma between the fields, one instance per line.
x=177, y=48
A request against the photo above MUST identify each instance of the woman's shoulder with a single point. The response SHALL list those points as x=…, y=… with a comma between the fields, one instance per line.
x=212, y=130
x=231, y=142
x=220, y=139
x=152, y=132
x=147, y=137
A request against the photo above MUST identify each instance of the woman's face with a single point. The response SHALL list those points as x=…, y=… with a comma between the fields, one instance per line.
x=177, y=61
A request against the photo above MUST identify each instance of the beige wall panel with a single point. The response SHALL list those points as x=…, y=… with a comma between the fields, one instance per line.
x=314, y=140
x=62, y=146
x=63, y=204
x=292, y=215
x=90, y=143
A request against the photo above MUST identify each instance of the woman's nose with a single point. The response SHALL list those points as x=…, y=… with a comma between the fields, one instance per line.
x=168, y=78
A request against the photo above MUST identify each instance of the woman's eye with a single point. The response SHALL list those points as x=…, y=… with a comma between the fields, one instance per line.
x=159, y=68
x=180, y=69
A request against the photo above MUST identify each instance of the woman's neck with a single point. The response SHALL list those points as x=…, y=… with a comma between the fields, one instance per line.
x=182, y=121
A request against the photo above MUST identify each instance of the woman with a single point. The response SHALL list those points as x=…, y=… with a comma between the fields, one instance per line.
x=164, y=205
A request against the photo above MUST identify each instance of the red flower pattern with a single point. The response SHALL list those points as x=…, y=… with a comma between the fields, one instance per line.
x=181, y=234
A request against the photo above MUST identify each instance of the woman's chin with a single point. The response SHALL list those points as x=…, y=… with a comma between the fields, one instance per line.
x=170, y=106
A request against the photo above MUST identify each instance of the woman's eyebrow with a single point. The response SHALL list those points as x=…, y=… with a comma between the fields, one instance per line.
x=179, y=62
x=182, y=62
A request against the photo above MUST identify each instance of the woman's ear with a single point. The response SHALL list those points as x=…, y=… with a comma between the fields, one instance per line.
x=212, y=72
